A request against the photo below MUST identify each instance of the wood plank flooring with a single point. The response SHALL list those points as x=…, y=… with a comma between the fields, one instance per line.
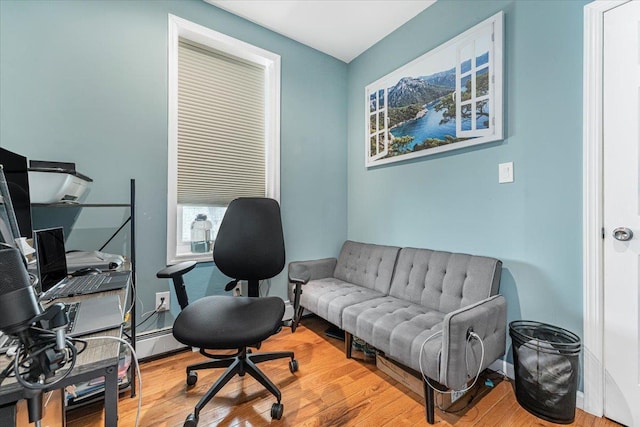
x=328, y=390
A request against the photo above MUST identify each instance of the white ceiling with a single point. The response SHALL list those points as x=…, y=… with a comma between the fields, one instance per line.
x=340, y=28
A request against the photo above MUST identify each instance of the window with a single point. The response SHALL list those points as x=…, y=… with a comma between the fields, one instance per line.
x=223, y=133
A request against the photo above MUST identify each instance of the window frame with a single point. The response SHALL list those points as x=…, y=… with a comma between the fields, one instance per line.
x=181, y=28
x=474, y=99
x=379, y=130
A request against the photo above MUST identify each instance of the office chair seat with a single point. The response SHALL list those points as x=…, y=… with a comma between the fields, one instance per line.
x=224, y=322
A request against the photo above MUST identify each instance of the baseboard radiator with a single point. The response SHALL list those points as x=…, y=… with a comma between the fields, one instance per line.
x=156, y=343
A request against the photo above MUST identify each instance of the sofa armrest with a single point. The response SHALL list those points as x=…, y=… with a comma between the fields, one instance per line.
x=311, y=270
x=488, y=319
x=300, y=272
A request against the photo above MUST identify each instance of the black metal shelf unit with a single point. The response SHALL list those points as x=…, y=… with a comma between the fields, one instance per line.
x=132, y=221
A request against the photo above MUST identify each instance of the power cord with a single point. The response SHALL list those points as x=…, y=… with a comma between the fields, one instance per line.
x=470, y=335
x=151, y=313
x=262, y=282
x=494, y=377
x=134, y=356
x=134, y=299
x=139, y=301
x=45, y=340
x=25, y=360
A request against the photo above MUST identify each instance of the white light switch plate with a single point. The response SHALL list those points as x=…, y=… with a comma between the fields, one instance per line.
x=505, y=172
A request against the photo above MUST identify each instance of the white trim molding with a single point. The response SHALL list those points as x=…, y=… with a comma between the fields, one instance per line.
x=592, y=254
x=181, y=28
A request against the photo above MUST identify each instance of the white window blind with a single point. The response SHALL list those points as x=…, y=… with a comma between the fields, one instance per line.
x=221, y=127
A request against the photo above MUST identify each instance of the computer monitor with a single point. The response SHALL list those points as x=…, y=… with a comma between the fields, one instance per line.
x=17, y=176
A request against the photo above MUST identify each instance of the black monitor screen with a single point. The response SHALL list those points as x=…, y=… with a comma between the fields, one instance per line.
x=17, y=175
x=50, y=252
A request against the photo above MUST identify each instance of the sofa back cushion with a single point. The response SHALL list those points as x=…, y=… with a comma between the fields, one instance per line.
x=444, y=281
x=366, y=265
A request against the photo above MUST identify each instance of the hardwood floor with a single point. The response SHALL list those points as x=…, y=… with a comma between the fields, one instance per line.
x=328, y=390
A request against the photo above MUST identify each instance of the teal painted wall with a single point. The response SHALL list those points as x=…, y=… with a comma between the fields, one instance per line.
x=86, y=82
x=452, y=201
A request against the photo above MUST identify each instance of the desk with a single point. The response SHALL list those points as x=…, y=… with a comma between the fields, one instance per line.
x=100, y=358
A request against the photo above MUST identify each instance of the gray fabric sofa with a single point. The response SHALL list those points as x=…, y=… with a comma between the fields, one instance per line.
x=396, y=298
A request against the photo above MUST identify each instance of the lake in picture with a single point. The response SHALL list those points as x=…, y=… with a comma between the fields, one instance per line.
x=426, y=127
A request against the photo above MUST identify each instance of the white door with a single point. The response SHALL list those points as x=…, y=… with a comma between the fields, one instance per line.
x=622, y=213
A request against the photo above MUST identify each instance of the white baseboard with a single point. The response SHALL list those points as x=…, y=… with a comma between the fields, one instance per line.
x=580, y=400
x=504, y=367
x=154, y=343
x=507, y=368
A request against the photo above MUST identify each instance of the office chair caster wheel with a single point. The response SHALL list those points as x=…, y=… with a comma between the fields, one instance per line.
x=191, y=421
x=276, y=411
x=192, y=378
x=293, y=365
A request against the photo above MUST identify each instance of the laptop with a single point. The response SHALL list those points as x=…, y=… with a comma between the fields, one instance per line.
x=85, y=317
x=94, y=315
x=53, y=274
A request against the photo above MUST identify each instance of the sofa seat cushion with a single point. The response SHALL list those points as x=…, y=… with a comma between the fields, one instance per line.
x=328, y=297
x=398, y=328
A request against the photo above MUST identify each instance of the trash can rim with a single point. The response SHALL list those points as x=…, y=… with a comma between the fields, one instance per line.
x=513, y=330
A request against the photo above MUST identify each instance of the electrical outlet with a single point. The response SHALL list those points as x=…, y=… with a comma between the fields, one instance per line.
x=237, y=291
x=165, y=304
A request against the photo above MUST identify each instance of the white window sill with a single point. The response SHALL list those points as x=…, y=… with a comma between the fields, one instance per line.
x=206, y=257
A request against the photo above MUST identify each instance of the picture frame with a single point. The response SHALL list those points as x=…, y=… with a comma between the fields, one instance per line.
x=448, y=98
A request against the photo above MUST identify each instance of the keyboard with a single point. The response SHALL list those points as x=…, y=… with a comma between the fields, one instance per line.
x=79, y=285
x=72, y=312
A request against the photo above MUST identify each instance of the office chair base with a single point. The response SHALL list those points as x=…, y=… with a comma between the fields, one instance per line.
x=243, y=363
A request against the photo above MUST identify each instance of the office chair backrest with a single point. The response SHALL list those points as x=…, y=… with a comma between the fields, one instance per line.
x=250, y=243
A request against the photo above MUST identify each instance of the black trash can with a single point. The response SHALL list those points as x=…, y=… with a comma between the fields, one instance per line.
x=546, y=361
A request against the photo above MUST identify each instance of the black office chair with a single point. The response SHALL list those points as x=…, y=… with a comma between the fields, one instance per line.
x=249, y=246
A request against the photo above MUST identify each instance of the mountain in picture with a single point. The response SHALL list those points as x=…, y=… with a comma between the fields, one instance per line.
x=443, y=78
x=420, y=112
x=411, y=90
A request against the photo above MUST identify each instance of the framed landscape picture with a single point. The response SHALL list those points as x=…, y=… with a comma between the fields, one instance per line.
x=448, y=98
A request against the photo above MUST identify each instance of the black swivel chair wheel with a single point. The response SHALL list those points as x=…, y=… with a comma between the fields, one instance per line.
x=192, y=378
x=192, y=420
x=293, y=365
x=276, y=411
